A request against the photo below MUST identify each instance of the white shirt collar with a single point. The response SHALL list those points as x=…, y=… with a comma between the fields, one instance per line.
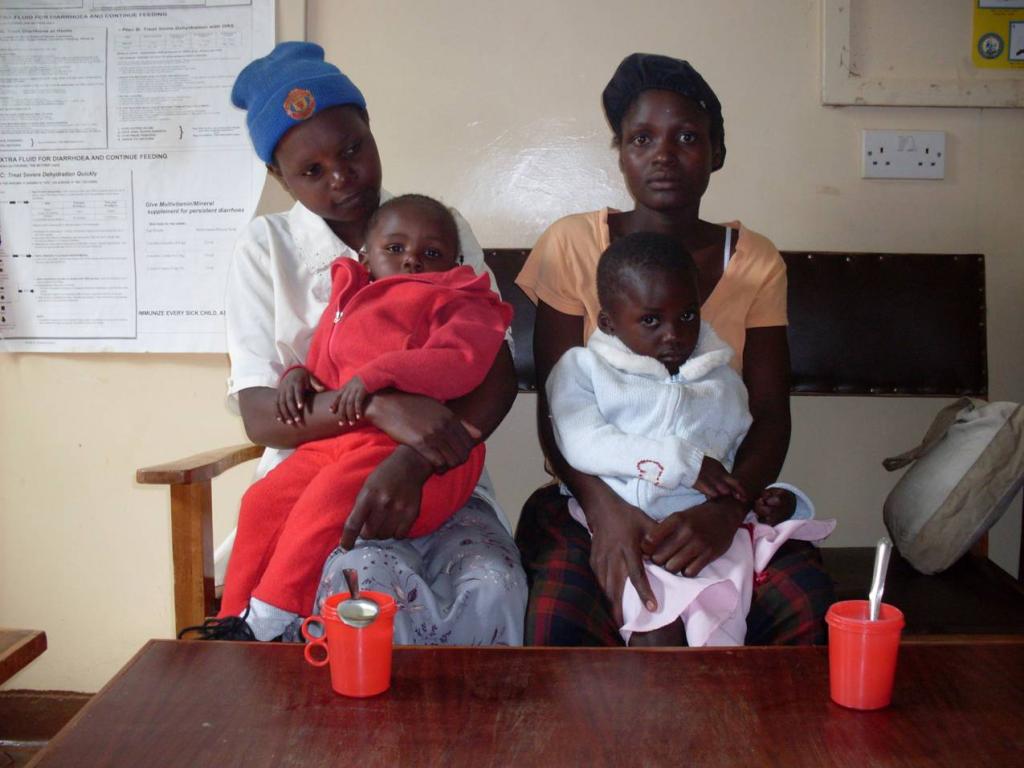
x=317, y=245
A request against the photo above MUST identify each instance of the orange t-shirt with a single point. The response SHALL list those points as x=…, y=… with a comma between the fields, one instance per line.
x=561, y=271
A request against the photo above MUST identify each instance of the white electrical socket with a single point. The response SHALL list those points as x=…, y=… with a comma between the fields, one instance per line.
x=903, y=155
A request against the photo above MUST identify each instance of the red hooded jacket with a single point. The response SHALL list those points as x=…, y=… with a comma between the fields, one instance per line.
x=433, y=333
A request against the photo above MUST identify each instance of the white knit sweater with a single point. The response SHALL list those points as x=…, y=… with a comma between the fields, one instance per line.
x=621, y=416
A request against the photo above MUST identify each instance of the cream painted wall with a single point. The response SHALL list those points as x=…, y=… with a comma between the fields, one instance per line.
x=495, y=108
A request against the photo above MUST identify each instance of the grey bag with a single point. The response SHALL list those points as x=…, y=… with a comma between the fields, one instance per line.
x=965, y=472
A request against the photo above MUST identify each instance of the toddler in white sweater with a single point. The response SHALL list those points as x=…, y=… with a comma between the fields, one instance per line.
x=652, y=406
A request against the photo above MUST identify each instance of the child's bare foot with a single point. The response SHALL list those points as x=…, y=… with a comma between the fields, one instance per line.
x=670, y=636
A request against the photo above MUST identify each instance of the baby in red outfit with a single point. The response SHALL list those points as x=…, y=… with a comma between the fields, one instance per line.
x=404, y=317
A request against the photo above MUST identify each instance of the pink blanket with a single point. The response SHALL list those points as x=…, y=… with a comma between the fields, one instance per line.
x=714, y=604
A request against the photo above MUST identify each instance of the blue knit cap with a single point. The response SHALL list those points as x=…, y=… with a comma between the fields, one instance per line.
x=290, y=84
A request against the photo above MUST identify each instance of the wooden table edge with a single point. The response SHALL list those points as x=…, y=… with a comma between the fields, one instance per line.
x=547, y=648
x=1003, y=639
x=23, y=652
x=84, y=711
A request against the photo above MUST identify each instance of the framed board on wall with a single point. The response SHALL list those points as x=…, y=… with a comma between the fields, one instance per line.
x=845, y=83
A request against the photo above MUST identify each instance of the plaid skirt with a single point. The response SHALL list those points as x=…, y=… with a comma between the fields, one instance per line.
x=568, y=607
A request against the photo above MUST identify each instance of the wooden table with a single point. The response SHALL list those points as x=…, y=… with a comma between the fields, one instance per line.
x=224, y=704
x=17, y=648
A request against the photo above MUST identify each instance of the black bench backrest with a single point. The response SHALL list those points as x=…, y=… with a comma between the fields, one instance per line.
x=859, y=323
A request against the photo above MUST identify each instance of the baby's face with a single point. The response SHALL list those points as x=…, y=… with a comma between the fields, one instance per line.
x=409, y=238
x=657, y=315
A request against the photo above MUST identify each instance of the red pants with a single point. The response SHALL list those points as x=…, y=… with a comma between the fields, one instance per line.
x=293, y=518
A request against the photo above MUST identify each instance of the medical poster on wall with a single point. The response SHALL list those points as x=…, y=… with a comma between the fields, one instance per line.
x=999, y=34
x=125, y=172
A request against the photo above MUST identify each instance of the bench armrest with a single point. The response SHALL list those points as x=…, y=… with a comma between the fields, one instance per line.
x=200, y=468
x=192, y=524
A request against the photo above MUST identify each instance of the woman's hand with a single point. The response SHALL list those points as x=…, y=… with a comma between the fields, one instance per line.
x=425, y=425
x=685, y=542
x=389, y=501
x=615, y=554
x=294, y=393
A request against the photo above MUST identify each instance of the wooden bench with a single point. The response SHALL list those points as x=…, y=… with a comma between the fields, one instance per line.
x=867, y=324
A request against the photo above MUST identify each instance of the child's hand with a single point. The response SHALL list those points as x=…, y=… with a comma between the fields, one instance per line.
x=350, y=402
x=293, y=393
x=715, y=482
x=774, y=505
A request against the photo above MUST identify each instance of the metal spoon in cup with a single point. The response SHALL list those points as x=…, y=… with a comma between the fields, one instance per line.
x=356, y=611
x=882, y=551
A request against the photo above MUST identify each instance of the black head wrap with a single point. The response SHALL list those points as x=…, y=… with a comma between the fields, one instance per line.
x=650, y=71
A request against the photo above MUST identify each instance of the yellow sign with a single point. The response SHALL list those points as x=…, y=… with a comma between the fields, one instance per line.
x=999, y=34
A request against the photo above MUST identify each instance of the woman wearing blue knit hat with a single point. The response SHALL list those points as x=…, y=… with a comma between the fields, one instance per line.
x=308, y=122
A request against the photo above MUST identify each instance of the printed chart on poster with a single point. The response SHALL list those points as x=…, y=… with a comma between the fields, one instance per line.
x=125, y=172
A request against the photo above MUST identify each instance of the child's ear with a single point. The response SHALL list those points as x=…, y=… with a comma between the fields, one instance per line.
x=362, y=255
x=717, y=158
x=604, y=322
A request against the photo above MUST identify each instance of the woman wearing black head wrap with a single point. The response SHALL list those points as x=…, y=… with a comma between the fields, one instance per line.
x=669, y=133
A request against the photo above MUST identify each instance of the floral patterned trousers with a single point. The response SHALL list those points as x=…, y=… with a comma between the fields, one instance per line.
x=463, y=584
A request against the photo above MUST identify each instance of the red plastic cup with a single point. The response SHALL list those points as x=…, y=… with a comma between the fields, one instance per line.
x=862, y=653
x=360, y=658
